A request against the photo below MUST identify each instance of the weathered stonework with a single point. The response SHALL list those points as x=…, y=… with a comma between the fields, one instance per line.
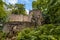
x=18, y=22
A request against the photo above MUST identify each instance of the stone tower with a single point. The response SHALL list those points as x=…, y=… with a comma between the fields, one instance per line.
x=36, y=16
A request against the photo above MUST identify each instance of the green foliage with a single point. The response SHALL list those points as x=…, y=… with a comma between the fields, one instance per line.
x=50, y=8
x=1, y=27
x=2, y=35
x=17, y=9
x=20, y=9
x=45, y=32
x=3, y=13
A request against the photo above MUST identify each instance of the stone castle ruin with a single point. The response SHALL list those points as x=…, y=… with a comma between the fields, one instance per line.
x=18, y=22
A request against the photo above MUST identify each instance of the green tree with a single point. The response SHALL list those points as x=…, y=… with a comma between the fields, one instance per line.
x=45, y=32
x=17, y=8
x=2, y=12
x=50, y=9
x=20, y=9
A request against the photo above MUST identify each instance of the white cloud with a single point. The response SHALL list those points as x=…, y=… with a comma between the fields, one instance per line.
x=27, y=11
x=11, y=1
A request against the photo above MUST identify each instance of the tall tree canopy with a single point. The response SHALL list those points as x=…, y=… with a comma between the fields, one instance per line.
x=20, y=9
x=2, y=12
x=50, y=9
x=17, y=8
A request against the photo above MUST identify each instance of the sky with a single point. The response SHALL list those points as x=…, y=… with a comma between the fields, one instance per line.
x=28, y=3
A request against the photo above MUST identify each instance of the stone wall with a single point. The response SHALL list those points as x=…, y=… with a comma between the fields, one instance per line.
x=18, y=22
x=16, y=26
x=20, y=18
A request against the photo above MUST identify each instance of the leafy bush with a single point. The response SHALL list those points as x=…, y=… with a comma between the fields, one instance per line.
x=2, y=35
x=45, y=32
